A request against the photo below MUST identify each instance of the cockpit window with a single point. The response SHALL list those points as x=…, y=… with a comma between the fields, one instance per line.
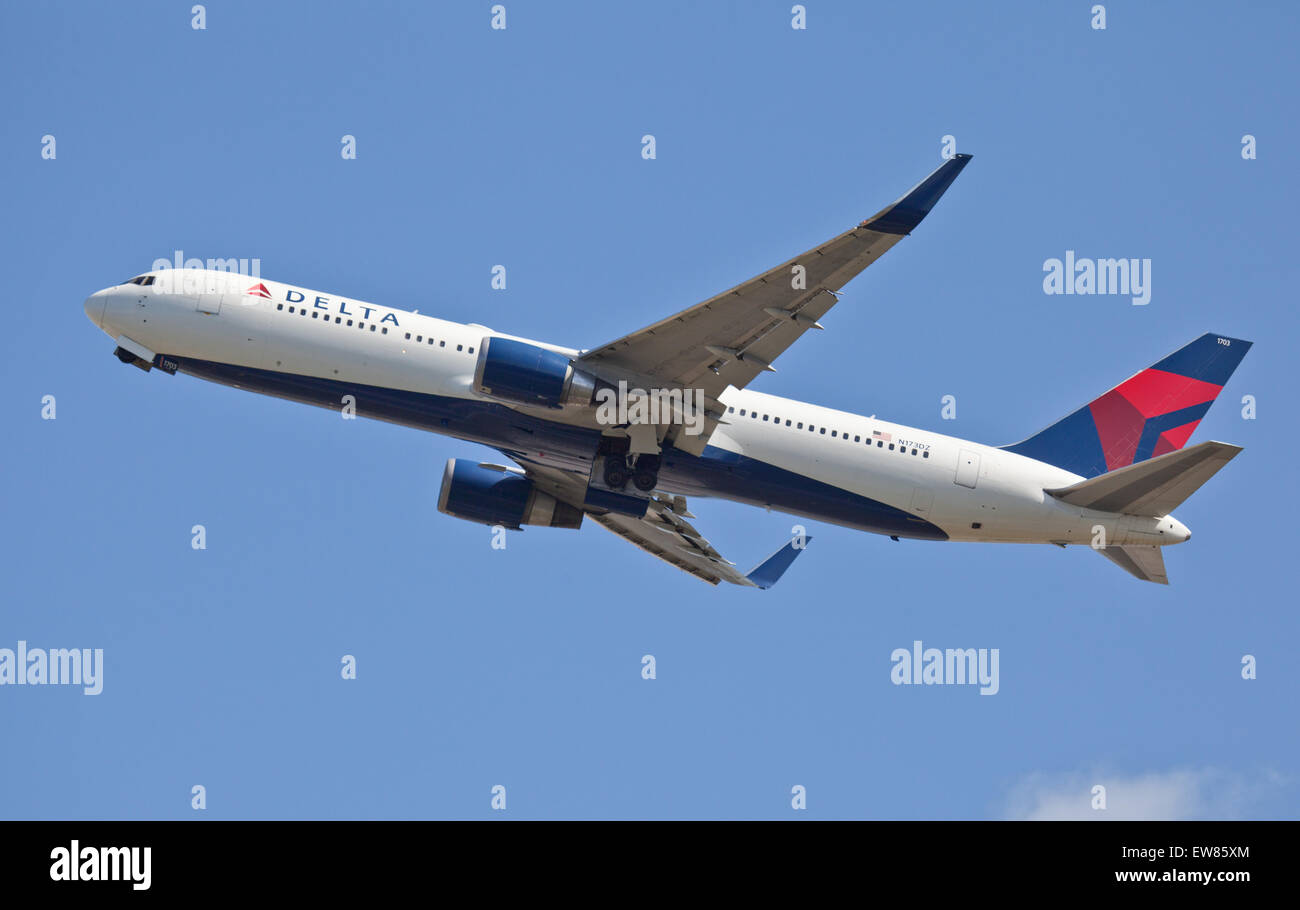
x=144, y=280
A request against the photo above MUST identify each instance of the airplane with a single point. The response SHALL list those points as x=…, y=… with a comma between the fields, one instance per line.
x=624, y=432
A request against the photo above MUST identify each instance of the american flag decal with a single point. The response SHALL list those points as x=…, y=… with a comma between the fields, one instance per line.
x=883, y=437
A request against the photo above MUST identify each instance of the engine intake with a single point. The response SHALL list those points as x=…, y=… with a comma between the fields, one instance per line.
x=489, y=496
x=525, y=373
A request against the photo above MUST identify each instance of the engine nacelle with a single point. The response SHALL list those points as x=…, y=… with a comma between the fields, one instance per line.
x=493, y=497
x=527, y=374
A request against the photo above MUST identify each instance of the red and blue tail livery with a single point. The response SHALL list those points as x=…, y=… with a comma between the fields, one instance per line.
x=1148, y=414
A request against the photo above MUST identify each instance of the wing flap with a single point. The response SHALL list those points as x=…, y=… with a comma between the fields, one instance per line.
x=663, y=532
x=697, y=558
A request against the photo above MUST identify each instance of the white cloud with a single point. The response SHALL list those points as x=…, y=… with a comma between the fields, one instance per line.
x=1204, y=793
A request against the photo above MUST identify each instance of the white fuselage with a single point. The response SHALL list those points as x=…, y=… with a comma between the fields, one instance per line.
x=968, y=490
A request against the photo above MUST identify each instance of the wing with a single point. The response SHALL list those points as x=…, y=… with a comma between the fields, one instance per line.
x=731, y=338
x=664, y=532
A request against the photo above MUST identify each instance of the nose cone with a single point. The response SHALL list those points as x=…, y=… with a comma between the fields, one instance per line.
x=94, y=306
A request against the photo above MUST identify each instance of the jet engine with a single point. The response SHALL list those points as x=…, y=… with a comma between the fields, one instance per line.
x=492, y=495
x=528, y=374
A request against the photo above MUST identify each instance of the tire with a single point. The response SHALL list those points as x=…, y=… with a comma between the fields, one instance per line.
x=615, y=472
x=645, y=481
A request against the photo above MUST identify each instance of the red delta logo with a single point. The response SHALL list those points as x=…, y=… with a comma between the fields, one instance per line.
x=259, y=290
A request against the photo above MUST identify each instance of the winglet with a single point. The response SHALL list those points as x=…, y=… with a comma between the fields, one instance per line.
x=770, y=570
x=904, y=215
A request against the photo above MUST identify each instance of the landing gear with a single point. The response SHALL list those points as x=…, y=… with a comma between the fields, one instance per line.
x=621, y=464
x=616, y=471
x=646, y=477
x=126, y=356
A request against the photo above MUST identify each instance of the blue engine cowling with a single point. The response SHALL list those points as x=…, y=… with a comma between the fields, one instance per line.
x=493, y=496
x=525, y=373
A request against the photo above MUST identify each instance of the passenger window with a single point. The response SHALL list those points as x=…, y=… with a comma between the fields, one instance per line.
x=408, y=336
x=891, y=447
x=279, y=306
x=832, y=434
x=419, y=338
x=823, y=431
x=291, y=309
x=431, y=342
x=764, y=418
x=471, y=350
x=459, y=347
x=856, y=439
x=925, y=454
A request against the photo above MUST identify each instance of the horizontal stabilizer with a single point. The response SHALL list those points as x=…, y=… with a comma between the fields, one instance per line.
x=1146, y=563
x=1154, y=487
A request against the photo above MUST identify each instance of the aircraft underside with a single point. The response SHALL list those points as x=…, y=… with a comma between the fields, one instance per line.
x=716, y=473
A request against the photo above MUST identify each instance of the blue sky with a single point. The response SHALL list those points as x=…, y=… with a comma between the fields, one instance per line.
x=521, y=667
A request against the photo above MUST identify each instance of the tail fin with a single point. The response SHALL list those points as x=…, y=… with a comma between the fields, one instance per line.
x=1150, y=413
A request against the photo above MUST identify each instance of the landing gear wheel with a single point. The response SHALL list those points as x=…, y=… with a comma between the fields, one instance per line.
x=616, y=472
x=647, y=473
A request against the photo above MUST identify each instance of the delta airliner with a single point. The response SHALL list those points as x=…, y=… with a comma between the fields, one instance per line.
x=624, y=432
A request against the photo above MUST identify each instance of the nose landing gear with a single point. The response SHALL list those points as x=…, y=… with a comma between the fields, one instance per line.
x=126, y=356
